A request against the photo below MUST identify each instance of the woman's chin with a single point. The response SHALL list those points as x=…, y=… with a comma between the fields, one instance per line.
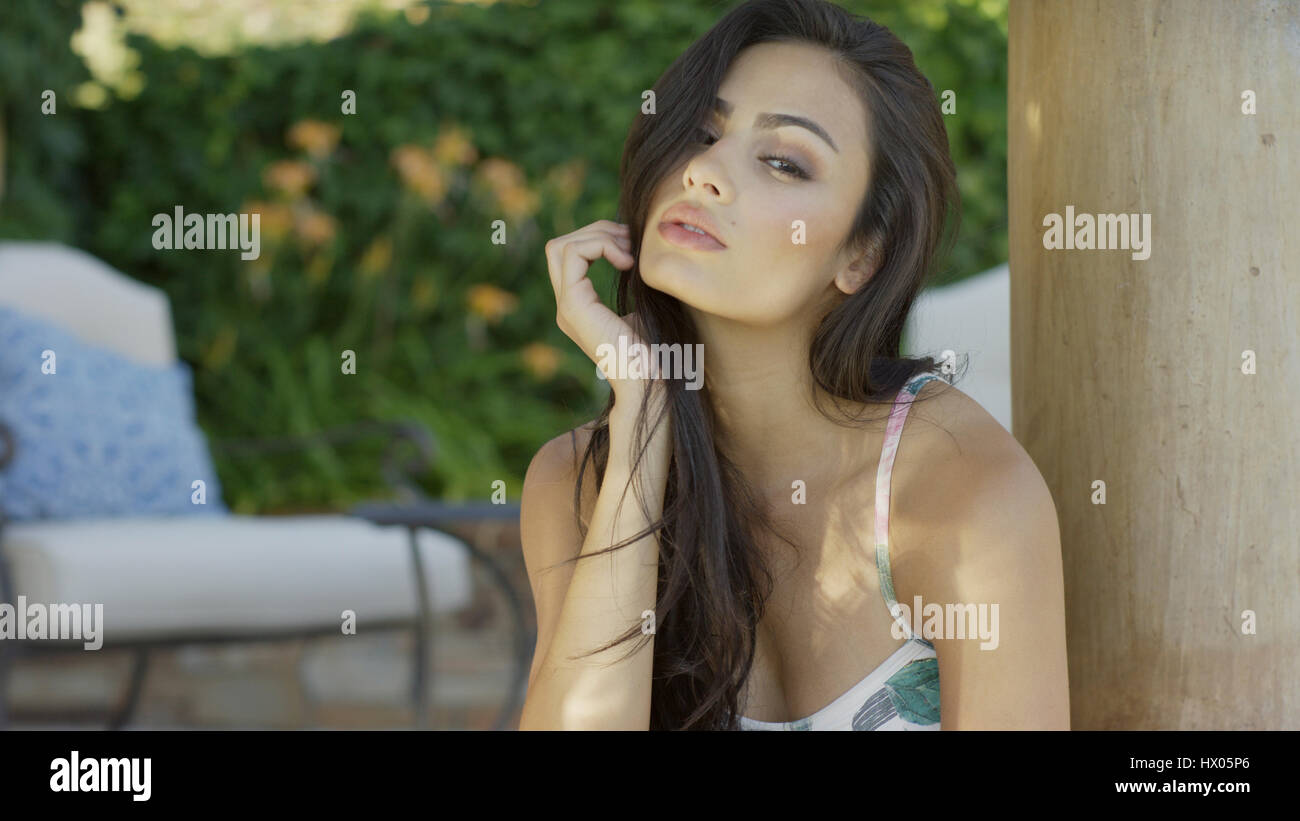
x=683, y=292
x=675, y=277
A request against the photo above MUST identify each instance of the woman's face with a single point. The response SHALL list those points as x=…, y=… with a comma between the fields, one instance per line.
x=771, y=269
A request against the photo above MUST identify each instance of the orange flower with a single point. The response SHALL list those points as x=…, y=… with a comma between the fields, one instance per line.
x=315, y=227
x=274, y=219
x=518, y=202
x=509, y=186
x=454, y=148
x=289, y=176
x=501, y=174
x=541, y=360
x=419, y=172
x=315, y=137
x=490, y=302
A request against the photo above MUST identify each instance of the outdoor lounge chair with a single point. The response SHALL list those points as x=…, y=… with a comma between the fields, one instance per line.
x=189, y=577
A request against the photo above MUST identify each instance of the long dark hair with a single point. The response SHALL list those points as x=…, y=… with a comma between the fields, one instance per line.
x=712, y=584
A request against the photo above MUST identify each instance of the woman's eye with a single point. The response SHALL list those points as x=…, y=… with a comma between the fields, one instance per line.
x=790, y=169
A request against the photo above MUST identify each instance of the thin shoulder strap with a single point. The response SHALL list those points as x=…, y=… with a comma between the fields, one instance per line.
x=893, y=432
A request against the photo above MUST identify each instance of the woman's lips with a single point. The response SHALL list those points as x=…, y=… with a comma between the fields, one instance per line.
x=686, y=238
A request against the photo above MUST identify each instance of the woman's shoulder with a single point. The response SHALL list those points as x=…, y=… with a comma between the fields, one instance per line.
x=948, y=424
x=954, y=461
x=553, y=471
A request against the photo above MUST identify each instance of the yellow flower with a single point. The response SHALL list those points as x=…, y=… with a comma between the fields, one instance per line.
x=541, y=360
x=501, y=174
x=289, y=176
x=509, y=186
x=454, y=148
x=377, y=257
x=419, y=172
x=274, y=219
x=518, y=202
x=315, y=227
x=490, y=302
x=315, y=137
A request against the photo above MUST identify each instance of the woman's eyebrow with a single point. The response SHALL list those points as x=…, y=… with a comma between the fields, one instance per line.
x=767, y=121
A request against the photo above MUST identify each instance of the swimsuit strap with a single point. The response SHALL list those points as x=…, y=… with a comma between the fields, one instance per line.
x=893, y=433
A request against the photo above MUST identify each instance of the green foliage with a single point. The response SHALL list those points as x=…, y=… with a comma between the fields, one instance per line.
x=382, y=255
x=39, y=154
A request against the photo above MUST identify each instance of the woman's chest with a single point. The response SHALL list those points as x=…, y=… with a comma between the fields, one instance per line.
x=827, y=625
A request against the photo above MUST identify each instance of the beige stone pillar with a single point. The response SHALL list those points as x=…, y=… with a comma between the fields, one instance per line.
x=1130, y=371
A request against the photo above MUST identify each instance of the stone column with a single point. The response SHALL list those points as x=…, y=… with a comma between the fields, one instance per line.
x=1173, y=377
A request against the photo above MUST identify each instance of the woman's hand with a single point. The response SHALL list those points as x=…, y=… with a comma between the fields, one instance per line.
x=581, y=314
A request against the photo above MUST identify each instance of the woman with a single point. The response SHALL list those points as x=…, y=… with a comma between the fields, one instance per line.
x=746, y=581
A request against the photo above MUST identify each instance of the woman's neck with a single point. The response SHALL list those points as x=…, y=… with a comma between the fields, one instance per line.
x=761, y=392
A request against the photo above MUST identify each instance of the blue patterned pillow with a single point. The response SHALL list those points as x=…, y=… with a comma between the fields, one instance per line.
x=102, y=436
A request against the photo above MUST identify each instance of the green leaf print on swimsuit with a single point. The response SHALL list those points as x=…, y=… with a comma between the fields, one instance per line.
x=908, y=700
x=914, y=691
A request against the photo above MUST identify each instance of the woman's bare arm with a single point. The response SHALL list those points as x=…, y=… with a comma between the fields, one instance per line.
x=583, y=605
x=604, y=595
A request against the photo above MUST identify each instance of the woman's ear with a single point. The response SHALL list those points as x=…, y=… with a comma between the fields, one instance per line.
x=861, y=269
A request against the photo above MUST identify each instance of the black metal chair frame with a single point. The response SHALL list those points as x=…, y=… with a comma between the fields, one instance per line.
x=414, y=511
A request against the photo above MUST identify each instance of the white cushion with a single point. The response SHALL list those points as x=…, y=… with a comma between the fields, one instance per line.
x=214, y=575
x=76, y=291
